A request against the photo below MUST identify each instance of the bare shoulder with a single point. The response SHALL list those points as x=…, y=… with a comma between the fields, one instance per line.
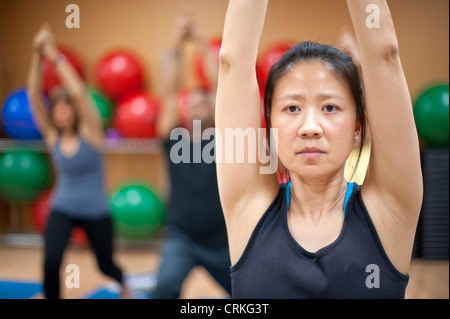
x=50, y=138
x=92, y=136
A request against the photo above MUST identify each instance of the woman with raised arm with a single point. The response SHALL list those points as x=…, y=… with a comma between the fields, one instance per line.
x=73, y=133
x=320, y=236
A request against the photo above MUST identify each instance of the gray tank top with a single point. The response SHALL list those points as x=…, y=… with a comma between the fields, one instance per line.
x=79, y=190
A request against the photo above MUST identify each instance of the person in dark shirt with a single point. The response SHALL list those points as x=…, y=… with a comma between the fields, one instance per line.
x=196, y=231
x=320, y=236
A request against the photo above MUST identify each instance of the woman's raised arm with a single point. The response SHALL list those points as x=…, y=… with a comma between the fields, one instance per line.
x=238, y=107
x=394, y=172
x=34, y=88
x=90, y=119
x=245, y=193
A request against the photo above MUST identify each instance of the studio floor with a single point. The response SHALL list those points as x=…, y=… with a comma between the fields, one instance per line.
x=428, y=279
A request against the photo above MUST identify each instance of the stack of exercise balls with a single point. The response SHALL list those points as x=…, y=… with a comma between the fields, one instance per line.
x=127, y=110
x=24, y=173
x=431, y=113
x=136, y=208
x=119, y=74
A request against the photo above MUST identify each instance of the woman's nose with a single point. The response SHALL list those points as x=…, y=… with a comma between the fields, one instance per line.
x=310, y=125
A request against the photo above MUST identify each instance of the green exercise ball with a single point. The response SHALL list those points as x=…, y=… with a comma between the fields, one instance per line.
x=431, y=113
x=137, y=211
x=23, y=175
x=103, y=104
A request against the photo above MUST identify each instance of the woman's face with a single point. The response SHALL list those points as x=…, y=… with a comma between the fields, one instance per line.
x=315, y=114
x=63, y=114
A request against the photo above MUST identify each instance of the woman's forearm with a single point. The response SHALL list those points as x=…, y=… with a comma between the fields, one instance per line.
x=374, y=28
x=34, y=80
x=395, y=146
x=244, y=23
x=67, y=73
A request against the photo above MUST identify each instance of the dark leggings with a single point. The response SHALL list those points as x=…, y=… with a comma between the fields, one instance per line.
x=57, y=234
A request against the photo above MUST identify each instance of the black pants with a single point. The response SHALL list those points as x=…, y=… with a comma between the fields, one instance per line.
x=57, y=234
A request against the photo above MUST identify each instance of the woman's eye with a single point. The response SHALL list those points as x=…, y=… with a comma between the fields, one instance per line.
x=292, y=109
x=330, y=108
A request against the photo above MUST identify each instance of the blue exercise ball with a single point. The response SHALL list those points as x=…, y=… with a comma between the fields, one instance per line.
x=17, y=118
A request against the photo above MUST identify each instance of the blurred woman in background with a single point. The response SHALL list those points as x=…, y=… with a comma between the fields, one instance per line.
x=73, y=133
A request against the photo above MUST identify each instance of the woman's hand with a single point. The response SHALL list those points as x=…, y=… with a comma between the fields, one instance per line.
x=44, y=42
x=184, y=30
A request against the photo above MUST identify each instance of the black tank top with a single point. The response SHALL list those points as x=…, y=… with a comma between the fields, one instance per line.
x=194, y=203
x=355, y=265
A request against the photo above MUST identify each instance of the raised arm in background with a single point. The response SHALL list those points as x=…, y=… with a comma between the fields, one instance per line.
x=171, y=72
x=89, y=119
x=34, y=86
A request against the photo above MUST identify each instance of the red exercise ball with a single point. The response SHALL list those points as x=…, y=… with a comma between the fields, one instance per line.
x=40, y=212
x=214, y=45
x=118, y=74
x=267, y=60
x=183, y=107
x=50, y=78
x=283, y=177
x=136, y=115
x=263, y=118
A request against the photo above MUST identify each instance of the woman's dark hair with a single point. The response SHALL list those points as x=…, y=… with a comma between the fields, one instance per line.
x=336, y=61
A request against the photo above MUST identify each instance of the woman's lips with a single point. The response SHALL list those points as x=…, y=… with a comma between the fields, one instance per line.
x=311, y=152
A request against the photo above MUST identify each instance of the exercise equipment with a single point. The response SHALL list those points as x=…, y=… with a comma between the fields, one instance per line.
x=267, y=60
x=17, y=117
x=263, y=118
x=103, y=104
x=118, y=74
x=112, y=136
x=137, y=211
x=50, y=78
x=433, y=227
x=23, y=175
x=183, y=107
x=431, y=113
x=136, y=116
x=199, y=62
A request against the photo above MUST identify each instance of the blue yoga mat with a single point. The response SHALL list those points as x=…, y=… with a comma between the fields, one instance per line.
x=19, y=289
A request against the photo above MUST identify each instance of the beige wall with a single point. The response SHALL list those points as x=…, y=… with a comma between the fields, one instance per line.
x=3, y=88
x=145, y=26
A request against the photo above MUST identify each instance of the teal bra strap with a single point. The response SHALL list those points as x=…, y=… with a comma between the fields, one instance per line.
x=288, y=194
x=347, y=194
